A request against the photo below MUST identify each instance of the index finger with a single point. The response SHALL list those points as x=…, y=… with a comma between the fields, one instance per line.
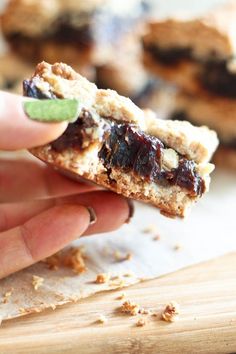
x=17, y=131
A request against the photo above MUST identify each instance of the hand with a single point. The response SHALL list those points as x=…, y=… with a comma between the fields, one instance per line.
x=40, y=210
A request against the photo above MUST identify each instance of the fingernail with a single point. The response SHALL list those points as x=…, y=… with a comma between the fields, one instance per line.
x=93, y=216
x=131, y=210
x=55, y=110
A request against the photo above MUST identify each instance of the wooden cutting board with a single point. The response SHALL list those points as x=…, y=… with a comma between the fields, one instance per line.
x=207, y=323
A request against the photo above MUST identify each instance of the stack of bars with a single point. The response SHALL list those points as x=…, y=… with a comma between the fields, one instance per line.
x=98, y=38
x=199, y=57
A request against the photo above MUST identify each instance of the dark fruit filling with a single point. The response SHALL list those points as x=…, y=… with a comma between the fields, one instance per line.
x=125, y=147
x=131, y=150
x=76, y=133
x=214, y=74
x=218, y=79
x=168, y=56
x=30, y=90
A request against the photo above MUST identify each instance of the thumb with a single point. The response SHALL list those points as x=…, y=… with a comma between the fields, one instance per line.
x=17, y=131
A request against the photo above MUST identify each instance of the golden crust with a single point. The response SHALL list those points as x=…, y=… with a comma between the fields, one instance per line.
x=65, y=82
x=212, y=33
x=218, y=113
x=196, y=143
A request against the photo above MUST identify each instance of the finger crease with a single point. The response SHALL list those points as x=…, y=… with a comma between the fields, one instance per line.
x=26, y=234
x=47, y=184
x=3, y=221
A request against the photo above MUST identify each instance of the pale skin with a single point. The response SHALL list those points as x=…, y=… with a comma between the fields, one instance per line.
x=42, y=211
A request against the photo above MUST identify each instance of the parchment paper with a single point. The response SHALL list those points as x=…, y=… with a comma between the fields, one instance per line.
x=157, y=245
x=208, y=232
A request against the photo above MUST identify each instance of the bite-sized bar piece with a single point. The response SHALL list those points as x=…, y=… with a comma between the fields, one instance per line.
x=124, y=72
x=195, y=53
x=117, y=145
x=75, y=31
x=218, y=113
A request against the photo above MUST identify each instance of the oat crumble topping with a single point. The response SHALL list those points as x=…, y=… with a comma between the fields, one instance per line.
x=120, y=258
x=72, y=258
x=130, y=308
x=143, y=311
x=157, y=238
x=154, y=314
x=177, y=247
x=121, y=296
x=102, y=319
x=141, y=322
x=102, y=278
x=37, y=282
x=6, y=296
x=129, y=274
x=150, y=229
x=53, y=261
x=170, y=314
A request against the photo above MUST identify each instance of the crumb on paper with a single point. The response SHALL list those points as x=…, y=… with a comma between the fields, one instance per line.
x=128, y=256
x=141, y=322
x=129, y=274
x=157, y=238
x=72, y=258
x=121, y=296
x=119, y=257
x=130, y=308
x=150, y=229
x=154, y=314
x=53, y=262
x=102, y=319
x=6, y=296
x=171, y=312
x=177, y=247
x=102, y=278
x=37, y=282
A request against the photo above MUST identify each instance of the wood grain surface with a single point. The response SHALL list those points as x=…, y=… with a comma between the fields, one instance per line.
x=207, y=321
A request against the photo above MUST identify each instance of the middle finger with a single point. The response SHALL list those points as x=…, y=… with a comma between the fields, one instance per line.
x=111, y=210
